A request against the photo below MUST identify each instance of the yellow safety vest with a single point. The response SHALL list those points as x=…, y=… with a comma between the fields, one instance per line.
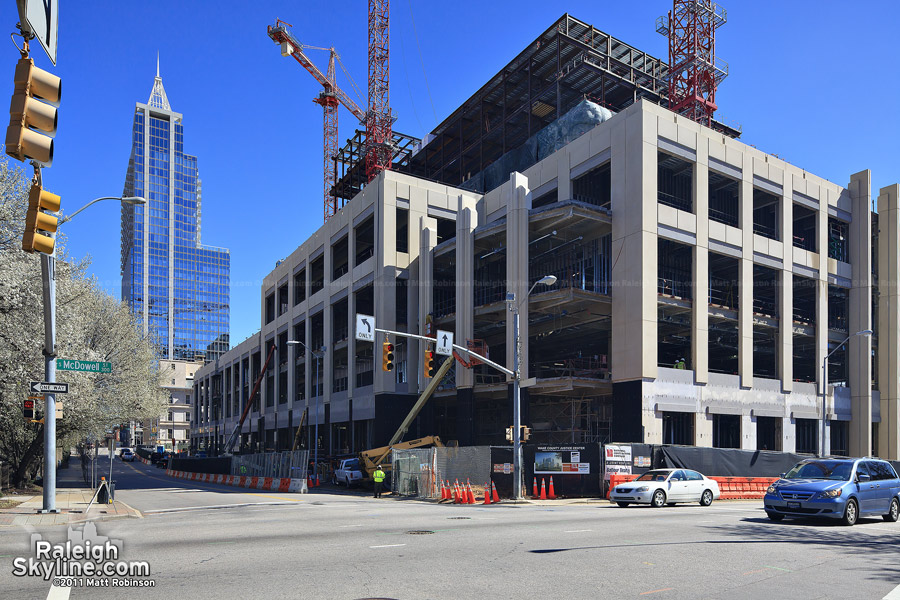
x=378, y=476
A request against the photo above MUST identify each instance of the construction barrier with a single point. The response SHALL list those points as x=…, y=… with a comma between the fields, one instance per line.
x=274, y=484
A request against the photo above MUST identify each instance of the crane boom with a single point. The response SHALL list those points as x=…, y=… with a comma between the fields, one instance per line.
x=281, y=35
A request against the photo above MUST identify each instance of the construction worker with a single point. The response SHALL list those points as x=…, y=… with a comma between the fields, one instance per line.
x=378, y=478
x=680, y=364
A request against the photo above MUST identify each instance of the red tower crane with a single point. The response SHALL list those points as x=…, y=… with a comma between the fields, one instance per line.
x=694, y=70
x=379, y=121
x=328, y=98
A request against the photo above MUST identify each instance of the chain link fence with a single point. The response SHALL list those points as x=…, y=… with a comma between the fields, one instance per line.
x=272, y=464
x=419, y=472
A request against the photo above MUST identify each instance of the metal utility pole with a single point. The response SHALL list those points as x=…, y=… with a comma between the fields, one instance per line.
x=48, y=279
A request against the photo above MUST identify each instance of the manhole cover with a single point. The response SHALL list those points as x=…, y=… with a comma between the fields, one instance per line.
x=419, y=532
x=459, y=517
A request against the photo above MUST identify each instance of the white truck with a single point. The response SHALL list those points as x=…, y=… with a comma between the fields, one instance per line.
x=348, y=472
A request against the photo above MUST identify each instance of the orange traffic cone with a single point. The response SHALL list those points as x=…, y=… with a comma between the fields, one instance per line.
x=543, y=490
x=487, y=494
x=471, y=495
x=534, y=493
x=443, y=491
x=449, y=490
x=494, y=491
x=552, y=494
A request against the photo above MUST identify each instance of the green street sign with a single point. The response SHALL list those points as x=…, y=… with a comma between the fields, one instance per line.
x=91, y=366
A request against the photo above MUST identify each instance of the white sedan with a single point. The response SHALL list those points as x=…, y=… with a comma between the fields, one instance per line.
x=666, y=486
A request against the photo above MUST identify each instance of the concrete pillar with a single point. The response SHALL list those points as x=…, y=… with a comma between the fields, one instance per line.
x=788, y=435
x=563, y=181
x=860, y=347
x=385, y=272
x=427, y=242
x=889, y=321
x=703, y=430
x=518, y=203
x=748, y=432
x=745, y=304
x=700, y=320
x=822, y=290
x=466, y=221
x=786, y=293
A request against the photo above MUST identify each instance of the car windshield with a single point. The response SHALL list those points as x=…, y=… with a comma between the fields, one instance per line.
x=653, y=476
x=351, y=464
x=838, y=470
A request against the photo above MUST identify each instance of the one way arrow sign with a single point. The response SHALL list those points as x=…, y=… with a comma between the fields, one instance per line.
x=41, y=387
x=444, y=342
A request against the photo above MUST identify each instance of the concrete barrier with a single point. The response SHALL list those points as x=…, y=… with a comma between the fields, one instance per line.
x=274, y=484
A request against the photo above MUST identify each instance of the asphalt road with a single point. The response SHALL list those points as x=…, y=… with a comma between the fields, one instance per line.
x=347, y=545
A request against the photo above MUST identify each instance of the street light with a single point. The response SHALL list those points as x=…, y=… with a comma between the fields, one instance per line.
x=319, y=355
x=48, y=278
x=864, y=332
x=517, y=383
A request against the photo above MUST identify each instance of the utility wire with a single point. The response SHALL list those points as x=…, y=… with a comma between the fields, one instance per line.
x=422, y=60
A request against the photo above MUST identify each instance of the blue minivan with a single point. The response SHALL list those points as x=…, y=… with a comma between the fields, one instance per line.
x=836, y=488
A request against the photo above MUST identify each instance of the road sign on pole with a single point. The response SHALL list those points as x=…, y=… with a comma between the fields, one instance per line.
x=365, y=327
x=39, y=387
x=444, y=342
x=42, y=18
x=91, y=366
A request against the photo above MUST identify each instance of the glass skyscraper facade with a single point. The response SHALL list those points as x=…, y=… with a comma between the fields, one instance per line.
x=178, y=287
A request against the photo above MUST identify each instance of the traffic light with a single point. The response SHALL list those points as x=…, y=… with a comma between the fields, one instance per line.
x=32, y=113
x=526, y=433
x=387, y=356
x=29, y=410
x=38, y=224
x=509, y=435
x=429, y=363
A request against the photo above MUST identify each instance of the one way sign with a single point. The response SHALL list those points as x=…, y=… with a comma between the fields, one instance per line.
x=444, y=342
x=41, y=387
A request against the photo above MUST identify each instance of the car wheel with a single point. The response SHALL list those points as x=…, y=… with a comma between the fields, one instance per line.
x=707, y=498
x=774, y=516
x=622, y=504
x=659, y=498
x=851, y=513
x=894, y=513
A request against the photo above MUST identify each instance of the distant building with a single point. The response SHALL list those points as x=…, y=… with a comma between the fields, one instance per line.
x=178, y=288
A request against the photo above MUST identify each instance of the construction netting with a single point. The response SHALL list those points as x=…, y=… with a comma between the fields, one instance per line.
x=419, y=472
x=272, y=464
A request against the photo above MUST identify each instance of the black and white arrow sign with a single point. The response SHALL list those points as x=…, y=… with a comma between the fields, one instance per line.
x=365, y=327
x=444, y=343
x=41, y=387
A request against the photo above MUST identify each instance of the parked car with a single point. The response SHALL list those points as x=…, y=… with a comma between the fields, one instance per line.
x=836, y=488
x=666, y=486
x=348, y=472
x=127, y=455
x=122, y=449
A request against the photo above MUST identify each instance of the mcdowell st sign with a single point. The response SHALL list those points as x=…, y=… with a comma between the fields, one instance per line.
x=91, y=366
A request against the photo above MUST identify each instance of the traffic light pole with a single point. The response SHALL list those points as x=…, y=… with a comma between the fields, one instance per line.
x=48, y=278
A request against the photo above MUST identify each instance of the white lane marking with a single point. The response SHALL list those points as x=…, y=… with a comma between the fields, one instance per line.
x=894, y=594
x=59, y=593
x=388, y=546
x=577, y=530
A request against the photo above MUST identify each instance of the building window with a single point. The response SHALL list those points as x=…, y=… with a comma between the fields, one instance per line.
x=807, y=436
x=402, y=229
x=282, y=299
x=765, y=214
x=270, y=308
x=838, y=240
x=678, y=428
x=768, y=433
x=726, y=431
x=299, y=287
x=340, y=260
x=365, y=241
x=724, y=199
x=675, y=182
x=594, y=187
x=840, y=438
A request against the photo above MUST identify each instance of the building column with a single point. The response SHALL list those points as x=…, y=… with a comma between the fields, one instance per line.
x=822, y=293
x=786, y=293
x=889, y=321
x=427, y=242
x=748, y=432
x=700, y=320
x=466, y=221
x=518, y=203
x=745, y=303
x=860, y=347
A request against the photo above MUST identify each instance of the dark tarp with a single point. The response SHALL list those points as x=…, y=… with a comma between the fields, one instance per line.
x=217, y=466
x=727, y=462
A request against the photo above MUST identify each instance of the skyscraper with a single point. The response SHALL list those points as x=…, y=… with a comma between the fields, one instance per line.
x=177, y=287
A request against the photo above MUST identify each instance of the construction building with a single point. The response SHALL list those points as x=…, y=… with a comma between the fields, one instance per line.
x=700, y=283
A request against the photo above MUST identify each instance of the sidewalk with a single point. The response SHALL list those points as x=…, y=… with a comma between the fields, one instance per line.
x=71, y=500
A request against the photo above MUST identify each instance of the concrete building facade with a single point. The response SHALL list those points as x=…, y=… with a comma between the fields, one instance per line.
x=672, y=244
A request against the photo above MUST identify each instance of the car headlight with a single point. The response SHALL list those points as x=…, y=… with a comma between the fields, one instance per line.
x=770, y=489
x=832, y=493
x=643, y=488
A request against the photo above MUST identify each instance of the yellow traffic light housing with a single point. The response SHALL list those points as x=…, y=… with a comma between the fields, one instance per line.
x=39, y=224
x=387, y=356
x=32, y=113
x=429, y=363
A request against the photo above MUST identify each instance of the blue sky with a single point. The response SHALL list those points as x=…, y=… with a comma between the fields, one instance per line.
x=809, y=81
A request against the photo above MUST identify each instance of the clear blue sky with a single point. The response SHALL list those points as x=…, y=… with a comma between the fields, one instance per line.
x=814, y=82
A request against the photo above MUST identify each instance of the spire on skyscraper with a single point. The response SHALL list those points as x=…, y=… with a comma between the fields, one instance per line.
x=158, y=97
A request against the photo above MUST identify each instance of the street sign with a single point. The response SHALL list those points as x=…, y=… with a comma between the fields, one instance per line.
x=444, y=342
x=42, y=17
x=29, y=409
x=365, y=327
x=91, y=366
x=40, y=387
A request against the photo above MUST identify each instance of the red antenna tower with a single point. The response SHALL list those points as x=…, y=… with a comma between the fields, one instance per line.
x=694, y=70
x=379, y=123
